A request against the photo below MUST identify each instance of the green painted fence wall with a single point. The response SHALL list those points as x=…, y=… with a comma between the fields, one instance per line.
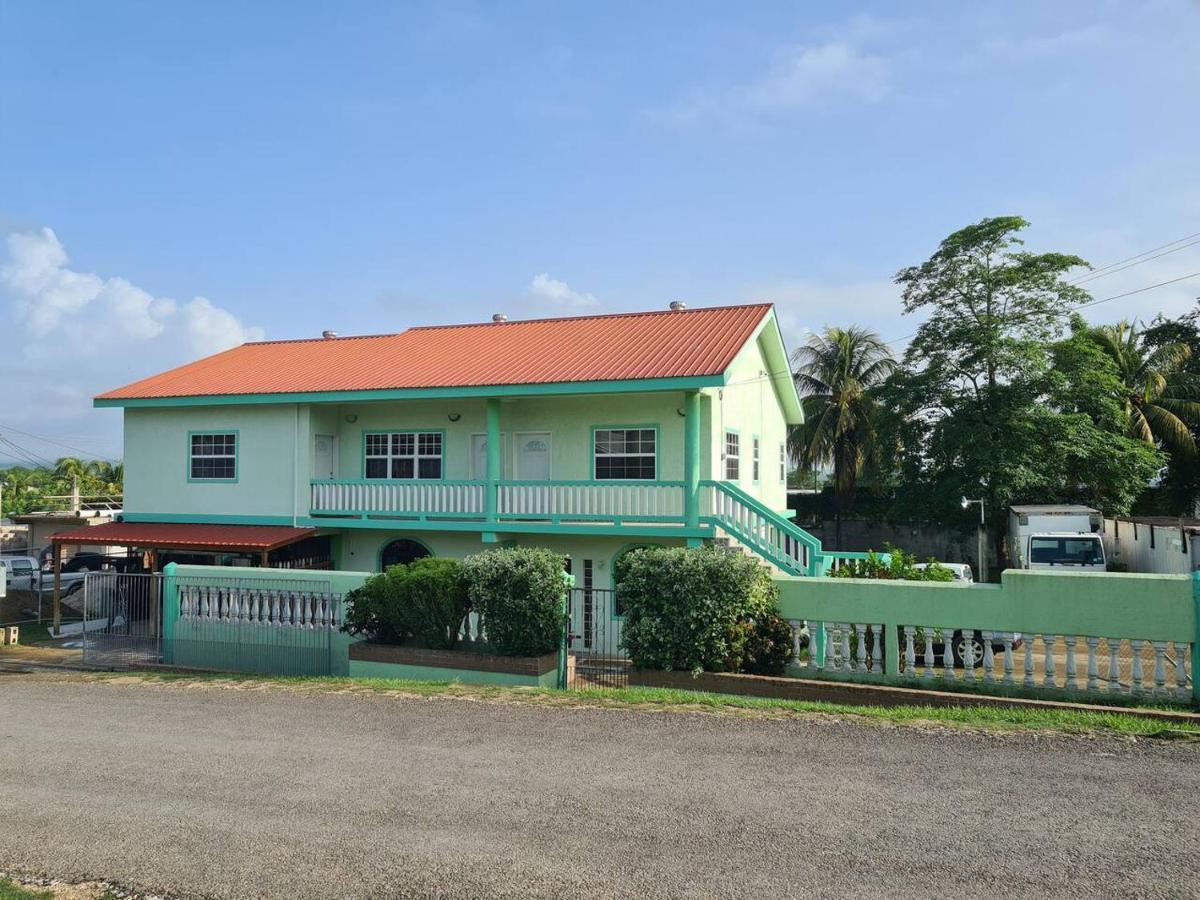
x=251, y=648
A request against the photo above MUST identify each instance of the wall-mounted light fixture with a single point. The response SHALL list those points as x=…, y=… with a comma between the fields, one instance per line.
x=679, y=411
x=352, y=418
x=454, y=417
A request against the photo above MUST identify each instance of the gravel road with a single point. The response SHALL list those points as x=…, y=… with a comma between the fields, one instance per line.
x=204, y=791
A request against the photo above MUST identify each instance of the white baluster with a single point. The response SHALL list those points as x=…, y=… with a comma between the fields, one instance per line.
x=910, y=653
x=1028, y=681
x=1181, y=681
x=817, y=650
x=947, y=654
x=1071, y=685
x=1048, y=679
x=877, y=649
x=206, y=603
x=256, y=607
x=796, y=625
x=1007, y=639
x=861, y=632
x=989, y=659
x=1114, y=668
x=968, y=655
x=1093, y=672
x=1160, y=667
x=1135, y=683
x=844, y=630
x=928, y=651
x=275, y=604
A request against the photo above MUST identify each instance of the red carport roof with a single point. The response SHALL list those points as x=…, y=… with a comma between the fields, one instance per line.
x=625, y=346
x=184, y=536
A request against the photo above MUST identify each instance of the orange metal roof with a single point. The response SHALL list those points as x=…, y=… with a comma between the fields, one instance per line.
x=621, y=347
x=183, y=536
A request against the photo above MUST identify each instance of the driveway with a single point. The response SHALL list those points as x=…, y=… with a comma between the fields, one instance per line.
x=279, y=793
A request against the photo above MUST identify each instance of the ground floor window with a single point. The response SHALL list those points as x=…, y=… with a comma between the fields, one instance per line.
x=401, y=552
x=403, y=455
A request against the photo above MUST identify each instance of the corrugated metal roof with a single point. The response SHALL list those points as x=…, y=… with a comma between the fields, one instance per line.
x=619, y=347
x=1053, y=509
x=184, y=536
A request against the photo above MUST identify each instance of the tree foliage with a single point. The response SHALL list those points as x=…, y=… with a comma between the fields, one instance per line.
x=27, y=489
x=838, y=373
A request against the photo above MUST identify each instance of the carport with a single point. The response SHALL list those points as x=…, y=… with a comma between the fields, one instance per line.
x=259, y=541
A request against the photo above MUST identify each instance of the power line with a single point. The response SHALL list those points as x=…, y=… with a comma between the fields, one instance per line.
x=46, y=440
x=23, y=454
x=1101, y=273
x=1095, y=273
x=1139, y=290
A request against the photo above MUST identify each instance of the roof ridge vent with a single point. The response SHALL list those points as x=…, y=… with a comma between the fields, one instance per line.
x=500, y=317
x=677, y=305
x=328, y=335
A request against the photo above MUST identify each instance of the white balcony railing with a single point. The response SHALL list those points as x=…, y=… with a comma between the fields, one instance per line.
x=445, y=499
x=647, y=501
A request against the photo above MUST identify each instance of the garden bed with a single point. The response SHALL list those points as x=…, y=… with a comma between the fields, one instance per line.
x=372, y=660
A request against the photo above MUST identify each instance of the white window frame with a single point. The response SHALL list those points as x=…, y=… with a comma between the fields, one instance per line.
x=782, y=462
x=641, y=454
x=391, y=454
x=193, y=456
x=733, y=461
x=755, y=458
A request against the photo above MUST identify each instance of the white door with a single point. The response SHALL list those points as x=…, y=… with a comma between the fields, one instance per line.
x=479, y=457
x=533, y=456
x=325, y=456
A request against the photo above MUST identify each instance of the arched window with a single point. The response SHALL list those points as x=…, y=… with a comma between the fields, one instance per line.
x=402, y=552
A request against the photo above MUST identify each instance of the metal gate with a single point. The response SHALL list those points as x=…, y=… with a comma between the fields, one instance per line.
x=594, y=640
x=122, y=620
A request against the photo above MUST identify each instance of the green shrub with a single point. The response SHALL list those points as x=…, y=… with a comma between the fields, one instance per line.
x=518, y=594
x=424, y=602
x=704, y=609
x=900, y=566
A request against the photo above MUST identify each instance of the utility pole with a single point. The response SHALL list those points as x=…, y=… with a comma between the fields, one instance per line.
x=966, y=504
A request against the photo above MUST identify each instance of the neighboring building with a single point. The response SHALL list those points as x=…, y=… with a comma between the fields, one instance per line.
x=1159, y=545
x=587, y=435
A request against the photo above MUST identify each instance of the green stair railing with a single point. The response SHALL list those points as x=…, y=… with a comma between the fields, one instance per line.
x=767, y=533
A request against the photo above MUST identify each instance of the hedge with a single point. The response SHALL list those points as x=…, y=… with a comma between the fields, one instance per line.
x=518, y=593
x=704, y=609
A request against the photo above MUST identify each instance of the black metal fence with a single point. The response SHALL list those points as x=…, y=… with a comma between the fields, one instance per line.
x=597, y=658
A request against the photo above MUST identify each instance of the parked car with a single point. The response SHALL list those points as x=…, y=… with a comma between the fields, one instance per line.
x=22, y=572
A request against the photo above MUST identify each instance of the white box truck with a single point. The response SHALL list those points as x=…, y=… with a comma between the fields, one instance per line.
x=1055, y=536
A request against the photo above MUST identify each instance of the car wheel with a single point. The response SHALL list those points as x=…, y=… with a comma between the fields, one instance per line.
x=960, y=649
x=73, y=589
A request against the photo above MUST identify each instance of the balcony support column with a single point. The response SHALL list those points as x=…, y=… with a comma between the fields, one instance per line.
x=492, y=488
x=691, y=458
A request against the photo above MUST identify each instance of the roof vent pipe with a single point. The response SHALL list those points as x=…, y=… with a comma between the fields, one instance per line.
x=328, y=334
x=499, y=317
x=677, y=305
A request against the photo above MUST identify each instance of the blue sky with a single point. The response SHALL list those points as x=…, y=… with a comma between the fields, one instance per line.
x=370, y=166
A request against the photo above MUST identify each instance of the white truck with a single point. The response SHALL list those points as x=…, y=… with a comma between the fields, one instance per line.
x=1055, y=536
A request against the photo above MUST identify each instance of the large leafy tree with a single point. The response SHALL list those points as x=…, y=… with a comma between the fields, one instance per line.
x=837, y=373
x=972, y=413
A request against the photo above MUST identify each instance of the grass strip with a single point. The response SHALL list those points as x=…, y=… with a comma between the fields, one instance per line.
x=988, y=718
x=10, y=890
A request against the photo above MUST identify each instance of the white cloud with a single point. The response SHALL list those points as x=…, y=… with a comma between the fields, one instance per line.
x=807, y=76
x=75, y=334
x=811, y=306
x=1032, y=47
x=559, y=292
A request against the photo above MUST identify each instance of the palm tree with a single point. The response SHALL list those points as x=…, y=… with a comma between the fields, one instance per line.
x=1157, y=390
x=836, y=373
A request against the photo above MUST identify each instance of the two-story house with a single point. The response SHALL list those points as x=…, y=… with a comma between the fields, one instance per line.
x=588, y=435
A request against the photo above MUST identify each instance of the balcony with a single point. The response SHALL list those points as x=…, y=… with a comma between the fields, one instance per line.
x=466, y=501
x=581, y=507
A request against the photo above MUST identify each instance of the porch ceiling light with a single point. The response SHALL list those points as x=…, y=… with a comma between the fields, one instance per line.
x=454, y=417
